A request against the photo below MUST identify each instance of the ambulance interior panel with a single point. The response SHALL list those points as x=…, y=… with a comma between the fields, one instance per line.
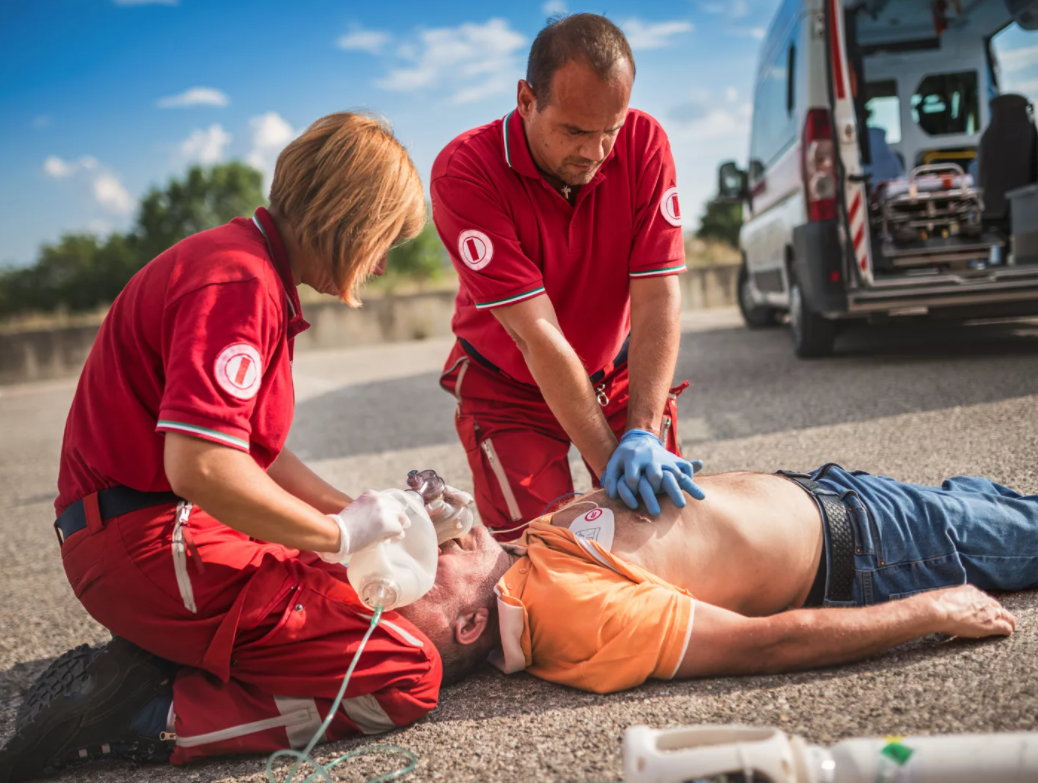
x=924, y=78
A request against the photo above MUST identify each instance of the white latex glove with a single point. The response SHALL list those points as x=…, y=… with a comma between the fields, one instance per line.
x=372, y=517
x=452, y=516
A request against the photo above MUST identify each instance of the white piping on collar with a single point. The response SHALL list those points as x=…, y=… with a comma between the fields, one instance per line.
x=270, y=253
x=504, y=136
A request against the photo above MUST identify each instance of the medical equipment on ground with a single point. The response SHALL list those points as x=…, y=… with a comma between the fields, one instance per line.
x=691, y=754
x=447, y=507
x=398, y=571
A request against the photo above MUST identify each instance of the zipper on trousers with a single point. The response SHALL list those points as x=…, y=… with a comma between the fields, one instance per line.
x=179, y=546
x=502, y=480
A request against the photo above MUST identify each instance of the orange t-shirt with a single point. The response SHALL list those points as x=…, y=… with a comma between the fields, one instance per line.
x=572, y=613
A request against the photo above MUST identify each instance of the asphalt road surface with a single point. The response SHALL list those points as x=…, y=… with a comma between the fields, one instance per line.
x=916, y=404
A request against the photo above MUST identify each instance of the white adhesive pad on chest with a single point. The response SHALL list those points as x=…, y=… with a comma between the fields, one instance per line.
x=596, y=525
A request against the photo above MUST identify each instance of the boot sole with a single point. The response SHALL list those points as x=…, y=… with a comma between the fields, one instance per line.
x=72, y=706
x=56, y=678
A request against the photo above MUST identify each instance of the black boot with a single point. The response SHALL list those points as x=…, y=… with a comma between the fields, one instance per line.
x=83, y=707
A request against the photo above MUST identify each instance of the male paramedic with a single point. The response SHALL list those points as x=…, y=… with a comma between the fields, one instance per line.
x=189, y=530
x=564, y=224
x=770, y=573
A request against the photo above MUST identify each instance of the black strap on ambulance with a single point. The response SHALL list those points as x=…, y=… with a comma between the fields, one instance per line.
x=111, y=502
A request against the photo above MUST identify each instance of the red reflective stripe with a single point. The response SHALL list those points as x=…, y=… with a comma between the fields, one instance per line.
x=859, y=237
x=834, y=38
x=855, y=206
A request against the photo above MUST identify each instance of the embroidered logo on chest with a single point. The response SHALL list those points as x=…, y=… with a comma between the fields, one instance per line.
x=238, y=370
x=475, y=248
x=670, y=208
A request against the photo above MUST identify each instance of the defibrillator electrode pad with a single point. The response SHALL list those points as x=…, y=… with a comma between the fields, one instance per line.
x=595, y=525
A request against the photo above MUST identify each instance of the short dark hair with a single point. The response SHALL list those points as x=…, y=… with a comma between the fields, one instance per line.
x=588, y=38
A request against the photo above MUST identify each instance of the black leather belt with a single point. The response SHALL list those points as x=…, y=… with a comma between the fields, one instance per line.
x=839, y=559
x=111, y=502
x=596, y=377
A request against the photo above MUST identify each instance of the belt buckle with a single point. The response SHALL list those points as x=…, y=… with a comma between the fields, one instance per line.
x=603, y=398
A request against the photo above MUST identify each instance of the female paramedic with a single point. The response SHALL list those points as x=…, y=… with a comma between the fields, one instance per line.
x=189, y=530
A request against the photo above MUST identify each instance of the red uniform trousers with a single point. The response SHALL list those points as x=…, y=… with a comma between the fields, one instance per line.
x=516, y=448
x=264, y=633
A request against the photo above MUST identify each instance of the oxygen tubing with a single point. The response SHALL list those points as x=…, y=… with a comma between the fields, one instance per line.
x=323, y=771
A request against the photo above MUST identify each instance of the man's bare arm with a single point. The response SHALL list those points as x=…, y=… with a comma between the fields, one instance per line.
x=655, y=338
x=724, y=642
x=561, y=377
x=289, y=473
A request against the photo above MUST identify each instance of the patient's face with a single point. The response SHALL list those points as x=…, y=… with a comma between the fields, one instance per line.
x=462, y=571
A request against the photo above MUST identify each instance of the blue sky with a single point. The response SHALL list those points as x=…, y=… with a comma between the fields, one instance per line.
x=101, y=99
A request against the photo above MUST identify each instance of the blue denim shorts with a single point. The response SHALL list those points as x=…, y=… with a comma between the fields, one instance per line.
x=911, y=538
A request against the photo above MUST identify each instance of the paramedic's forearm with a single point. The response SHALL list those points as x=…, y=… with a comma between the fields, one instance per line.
x=561, y=377
x=233, y=489
x=289, y=472
x=564, y=383
x=653, y=352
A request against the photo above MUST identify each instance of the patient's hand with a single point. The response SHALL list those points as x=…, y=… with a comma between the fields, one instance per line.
x=969, y=612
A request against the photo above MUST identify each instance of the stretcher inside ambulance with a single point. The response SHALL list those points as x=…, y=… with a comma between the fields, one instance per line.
x=947, y=151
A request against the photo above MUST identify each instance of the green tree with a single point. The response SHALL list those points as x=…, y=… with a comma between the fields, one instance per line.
x=83, y=271
x=721, y=222
x=422, y=259
x=203, y=199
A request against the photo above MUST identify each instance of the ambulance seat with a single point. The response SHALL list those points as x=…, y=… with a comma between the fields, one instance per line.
x=885, y=164
x=1008, y=154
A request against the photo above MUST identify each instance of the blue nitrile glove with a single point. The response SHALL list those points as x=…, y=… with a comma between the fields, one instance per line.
x=641, y=463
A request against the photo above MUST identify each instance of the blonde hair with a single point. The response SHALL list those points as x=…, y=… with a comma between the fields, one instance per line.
x=350, y=191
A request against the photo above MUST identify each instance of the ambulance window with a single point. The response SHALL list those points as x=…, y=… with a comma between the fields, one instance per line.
x=947, y=103
x=883, y=108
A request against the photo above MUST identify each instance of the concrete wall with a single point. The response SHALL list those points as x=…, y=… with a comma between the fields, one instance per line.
x=58, y=353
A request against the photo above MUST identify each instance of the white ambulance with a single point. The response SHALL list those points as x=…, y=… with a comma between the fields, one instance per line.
x=888, y=174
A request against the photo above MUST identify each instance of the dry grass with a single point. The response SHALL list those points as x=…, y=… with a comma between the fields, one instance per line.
x=700, y=253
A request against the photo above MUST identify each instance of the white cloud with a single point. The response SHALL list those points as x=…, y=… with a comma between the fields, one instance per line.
x=736, y=9
x=474, y=60
x=110, y=193
x=653, y=35
x=147, y=2
x=1018, y=59
x=55, y=167
x=553, y=7
x=41, y=121
x=270, y=133
x=748, y=32
x=731, y=95
x=105, y=186
x=206, y=145
x=361, y=40
x=196, y=96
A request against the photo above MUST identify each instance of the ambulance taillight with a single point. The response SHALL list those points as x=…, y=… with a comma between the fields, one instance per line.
x=819, y=166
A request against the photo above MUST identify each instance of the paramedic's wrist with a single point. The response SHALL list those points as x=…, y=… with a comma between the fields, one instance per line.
x=342, y=550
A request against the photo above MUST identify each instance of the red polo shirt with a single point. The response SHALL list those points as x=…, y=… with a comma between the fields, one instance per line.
x=199, y=342
x=512, y=237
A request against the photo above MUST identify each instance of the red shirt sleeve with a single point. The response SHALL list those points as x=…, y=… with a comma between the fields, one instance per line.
x=659, y=245
x=482, y=243
x=217, y=344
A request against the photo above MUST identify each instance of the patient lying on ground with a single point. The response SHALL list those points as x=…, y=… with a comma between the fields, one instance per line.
x=600, y=597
